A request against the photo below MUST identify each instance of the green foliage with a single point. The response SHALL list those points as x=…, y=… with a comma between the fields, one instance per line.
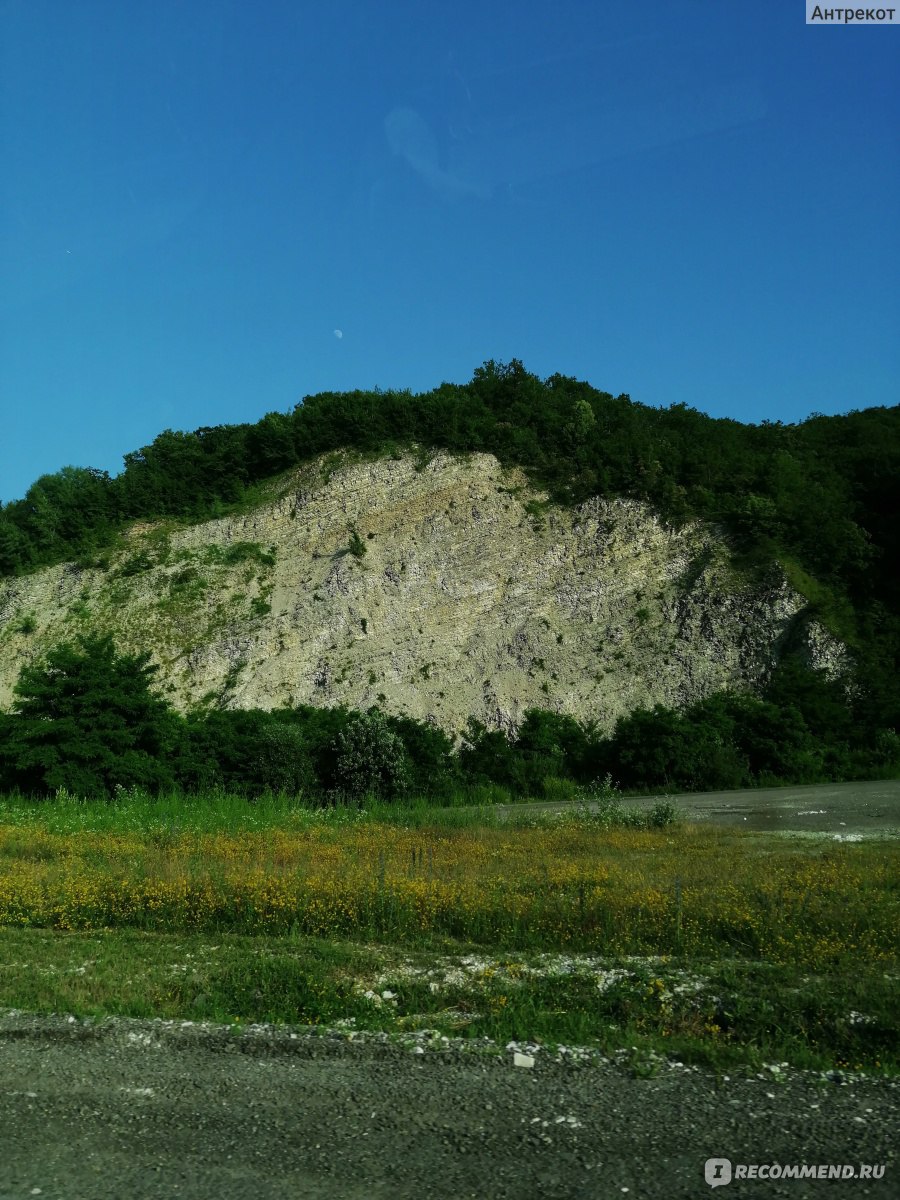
x=280, y=761
x=270, y=987
x=550, y=745
x=432, y=765
x=184, y=578
x=136, y=564
x=86, y=720
x=662, y=748
x=662, y=815
x=803, y=730
x=15, y=552
x=370, y=759
x=487, y=756
x=602, y=791
x=580, y=426
x=243, y=552
x=247, y=752
x=537, y=509
x=357, y=547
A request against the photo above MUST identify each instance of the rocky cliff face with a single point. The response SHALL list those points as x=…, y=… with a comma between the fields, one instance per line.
x=440, y=589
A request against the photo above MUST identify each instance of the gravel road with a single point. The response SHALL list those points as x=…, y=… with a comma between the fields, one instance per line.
x=134, y=1110
x=849, y=811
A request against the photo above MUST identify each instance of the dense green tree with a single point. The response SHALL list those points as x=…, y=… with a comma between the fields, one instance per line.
x=281, y=761
x=270, y=446
x=551, y=744
x=320, y=728
x=660, y=748
x=820, y=701
x=246, y=751
x=370, y=759
x=487, y=756
x=86, y=719
x=770, y=743
x=15, y=553
x=433, y=767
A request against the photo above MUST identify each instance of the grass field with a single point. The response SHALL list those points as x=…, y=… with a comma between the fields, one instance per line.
x=716, y=946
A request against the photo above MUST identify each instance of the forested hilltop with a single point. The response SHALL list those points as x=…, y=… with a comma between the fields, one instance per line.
x=826, y=491
x=819, y=497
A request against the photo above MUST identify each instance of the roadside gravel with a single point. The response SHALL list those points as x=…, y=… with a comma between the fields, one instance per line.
x=144, y=1109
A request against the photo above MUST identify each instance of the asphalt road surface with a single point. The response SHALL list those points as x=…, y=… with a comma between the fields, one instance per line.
x=132, y=1110
x=844, y=810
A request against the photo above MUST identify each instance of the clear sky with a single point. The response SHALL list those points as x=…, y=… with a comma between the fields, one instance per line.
x=211, y=208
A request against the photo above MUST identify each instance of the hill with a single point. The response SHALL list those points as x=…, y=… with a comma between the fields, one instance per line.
x=439, y=590
x=477, y=551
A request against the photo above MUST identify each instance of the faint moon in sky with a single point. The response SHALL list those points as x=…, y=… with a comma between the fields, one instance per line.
x=339, y=333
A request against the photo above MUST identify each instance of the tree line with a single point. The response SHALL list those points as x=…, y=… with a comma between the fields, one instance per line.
x=87, y=720
x=826, y=489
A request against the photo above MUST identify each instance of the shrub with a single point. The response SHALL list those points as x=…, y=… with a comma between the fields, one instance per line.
x=370, y=758
x=281, y=762
x=602, y=791
x=662, y=815
x=136, y=564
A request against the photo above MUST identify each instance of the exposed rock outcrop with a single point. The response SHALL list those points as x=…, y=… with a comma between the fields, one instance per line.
x=440, y=589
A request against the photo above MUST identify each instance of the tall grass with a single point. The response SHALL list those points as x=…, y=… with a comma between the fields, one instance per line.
x=712, y=944
x=577, y=884
x=133, y=810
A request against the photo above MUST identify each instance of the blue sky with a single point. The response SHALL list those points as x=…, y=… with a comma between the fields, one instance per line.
x=685, y=200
